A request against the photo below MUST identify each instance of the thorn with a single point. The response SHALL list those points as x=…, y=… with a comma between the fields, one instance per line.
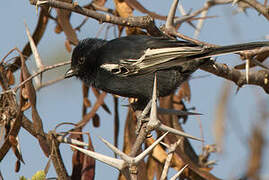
x=116, y=150
x=141, y=117
x=247, y=70
x=153, y=119
x=178, y=173
x=177, y=132
x=235, y=2
x=39, y=3
x=68, y=140
x=116, y=163
x=149, y=149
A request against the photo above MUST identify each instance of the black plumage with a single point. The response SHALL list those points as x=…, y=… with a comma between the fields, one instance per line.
x=90, y=54
x=126, y=66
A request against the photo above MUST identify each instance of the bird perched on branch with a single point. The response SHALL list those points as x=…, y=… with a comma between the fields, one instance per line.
x=126, y=66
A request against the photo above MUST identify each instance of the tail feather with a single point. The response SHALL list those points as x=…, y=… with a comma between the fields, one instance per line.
x=189, y=58
x=229, y=49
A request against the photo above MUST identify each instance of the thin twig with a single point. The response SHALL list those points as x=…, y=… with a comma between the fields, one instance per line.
x=145, y=22
x=9, y=52
x=259, y=78
x=258, y=7
x=34, y=75
x=48, y=83
x=201, y=21
x=171, y=15
x=171, y=149
x=37, y=35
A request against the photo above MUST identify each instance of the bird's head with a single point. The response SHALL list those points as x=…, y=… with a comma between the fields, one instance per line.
x=83, y=61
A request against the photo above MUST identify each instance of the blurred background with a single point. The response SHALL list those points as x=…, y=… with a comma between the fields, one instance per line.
x=62, y=102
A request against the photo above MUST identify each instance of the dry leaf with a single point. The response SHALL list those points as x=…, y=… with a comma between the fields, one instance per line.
x=97, y=95
x=68, y=46
x=14, y=144
x=58, y=29
x=256, y=144
x=184, y=91
x=63, y=19
x=152, y=168
x=26, y=106
x=88, y=167
x=37, y=35
x=220, y=115
x=37, y=122
x=99, y=2
x=10, y=77
x=86, y=102
x=124, y=11
x=17, y=166
x=136, y=5
x=77, y=160
x=25, y=93
x=85, y=93
x=13, y=140
x=83, y=166
x=96, y=120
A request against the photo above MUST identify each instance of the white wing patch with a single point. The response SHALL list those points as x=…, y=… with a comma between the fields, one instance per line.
x=154, y=59
x=115, y=68
x=151, y=60
x=110, y=67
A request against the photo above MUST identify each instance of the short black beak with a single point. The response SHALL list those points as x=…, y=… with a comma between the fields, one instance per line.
x=70, y=73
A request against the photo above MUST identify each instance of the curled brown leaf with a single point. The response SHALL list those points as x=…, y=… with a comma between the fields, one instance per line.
x=96, y=120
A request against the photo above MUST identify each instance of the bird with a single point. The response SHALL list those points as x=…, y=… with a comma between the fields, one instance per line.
x=126, y=66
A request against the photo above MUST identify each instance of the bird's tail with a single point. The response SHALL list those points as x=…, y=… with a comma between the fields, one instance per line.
x=196, y=57
x=189, y=58
x=229, y=49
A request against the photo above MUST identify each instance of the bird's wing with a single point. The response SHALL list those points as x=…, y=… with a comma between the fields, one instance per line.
x=128, y=55
x=163, y=58
x=143, y=54
x=152, y=60
x=160, y=57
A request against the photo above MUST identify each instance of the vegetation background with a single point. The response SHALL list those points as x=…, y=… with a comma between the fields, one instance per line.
x=62, y=102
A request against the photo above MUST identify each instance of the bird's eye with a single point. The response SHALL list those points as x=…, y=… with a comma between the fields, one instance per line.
x=81, y=60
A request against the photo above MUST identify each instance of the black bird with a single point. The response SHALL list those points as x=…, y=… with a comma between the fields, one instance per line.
x=125, y=66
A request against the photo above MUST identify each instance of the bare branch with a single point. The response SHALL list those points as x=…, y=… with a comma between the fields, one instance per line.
x=37, y=35
x=170, y=19
x=34, y=75
x=259, y=78
x=144, y=22
x=259, y=7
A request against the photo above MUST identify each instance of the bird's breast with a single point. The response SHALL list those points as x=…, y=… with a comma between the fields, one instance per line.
x=139, y=86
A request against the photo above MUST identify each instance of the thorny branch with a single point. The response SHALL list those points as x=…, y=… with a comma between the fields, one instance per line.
x=37, y=35
x=148, y=23
x=144, y=22
x=34, y=75
x=258, y=7
x=259, y=78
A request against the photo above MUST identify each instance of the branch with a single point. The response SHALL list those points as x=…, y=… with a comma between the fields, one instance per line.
x=55, y=153
x=170, y=18
x=34, y=75
x=259, y=78
x=259, y=7
x=37, y=35
x=144, y=22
